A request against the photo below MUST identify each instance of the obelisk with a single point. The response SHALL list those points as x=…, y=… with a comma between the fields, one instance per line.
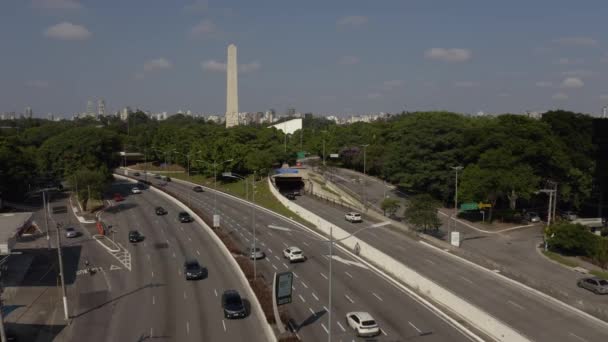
x=232, y=88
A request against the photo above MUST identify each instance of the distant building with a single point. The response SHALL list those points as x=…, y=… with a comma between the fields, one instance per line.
x=101, y=107
x=290, y=112
x=90, y=108
x=289, y=126
x=124, y=114
x=233, y=116
x=29, y=112
x=308, y=116
x=269, y=116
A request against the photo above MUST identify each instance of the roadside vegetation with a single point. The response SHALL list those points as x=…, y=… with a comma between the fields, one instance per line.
x=576, y=240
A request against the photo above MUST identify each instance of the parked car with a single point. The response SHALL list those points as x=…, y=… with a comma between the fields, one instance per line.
x=135, y=236
x=569, y=215
x=363, y=323
x=255, y=253
x=197, y=189
x=233, y=305
x=135, y=190
x=353, y=217
x=290, y=195
x=184, y=217
x=594, y=284
x=160, y=211
x=71, y=232
x=193, y=270
x=532, y=217
x=293, y=254
x=118, y=197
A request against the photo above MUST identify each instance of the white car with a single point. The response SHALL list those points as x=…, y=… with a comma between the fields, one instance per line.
x=353, y=217
x=136, y=190
x=363, y=323
x=293, y=254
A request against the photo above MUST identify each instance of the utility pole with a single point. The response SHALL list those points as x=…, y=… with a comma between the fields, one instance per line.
x=364, y=176
x=455, y=168
x=253, y=215
x=331, y=243
x=61, y=274
x=46, y=219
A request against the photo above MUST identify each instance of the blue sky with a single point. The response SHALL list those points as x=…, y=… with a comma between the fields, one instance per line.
x=338, y=56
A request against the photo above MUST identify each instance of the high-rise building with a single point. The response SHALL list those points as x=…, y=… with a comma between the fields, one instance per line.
x=232, y=88
x=291, y=112
x=29, y=112
x=101, y=107
x=90, y=108
x=124, y=114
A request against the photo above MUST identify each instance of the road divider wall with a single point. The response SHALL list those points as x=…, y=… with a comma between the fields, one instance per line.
x=235, y=266
x=463, y=309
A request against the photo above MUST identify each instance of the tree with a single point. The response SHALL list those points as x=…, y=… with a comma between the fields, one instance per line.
x=90, y=183
x=421, y=212
x=390, y=206
x=573, y=239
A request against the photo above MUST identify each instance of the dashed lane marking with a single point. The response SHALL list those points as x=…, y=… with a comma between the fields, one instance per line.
x=341, y=327
x=415, y=327
x=375, y=295
x=304, y=284
x=349, y=299
x=314, y=295
x=323, y=275
x=224, y=324
x=348, y=274
x=302, y=298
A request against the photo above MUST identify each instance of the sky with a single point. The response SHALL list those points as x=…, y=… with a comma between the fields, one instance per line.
x=336, y=57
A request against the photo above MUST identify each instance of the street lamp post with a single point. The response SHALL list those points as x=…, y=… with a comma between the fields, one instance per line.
x=551, y=193
x=61, y=274
x=364, y=197
x=455, y=168
x=215, y=164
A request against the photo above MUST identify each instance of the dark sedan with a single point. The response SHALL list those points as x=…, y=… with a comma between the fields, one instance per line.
x=160, y=211
x=184, y=217
x=197, y=189
x=193, y=270
x=135, y=236
x=233, y=305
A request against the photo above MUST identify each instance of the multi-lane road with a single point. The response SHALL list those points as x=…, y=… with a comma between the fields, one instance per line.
x=355, y=287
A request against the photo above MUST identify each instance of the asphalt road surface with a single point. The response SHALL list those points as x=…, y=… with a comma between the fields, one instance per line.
x=355, y=286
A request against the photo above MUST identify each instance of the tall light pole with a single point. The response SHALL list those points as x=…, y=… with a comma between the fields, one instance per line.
x=255, y=273
x=364, y=176
x=550, y=192
x=455, y=168
x=331, y=242
x=215, y=164
x=187, y=155
x=61, y=274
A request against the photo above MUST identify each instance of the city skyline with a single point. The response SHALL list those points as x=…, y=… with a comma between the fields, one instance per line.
x=353, y=58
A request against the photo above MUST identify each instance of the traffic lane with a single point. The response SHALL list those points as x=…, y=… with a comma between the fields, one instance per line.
x=476, y=286
x=199, y=245
x=313, y=270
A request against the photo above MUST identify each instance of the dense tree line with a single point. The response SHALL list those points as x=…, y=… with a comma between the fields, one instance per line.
x=506, y=158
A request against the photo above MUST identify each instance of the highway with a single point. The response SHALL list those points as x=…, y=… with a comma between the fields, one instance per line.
x=529, y=314
x=355, y=286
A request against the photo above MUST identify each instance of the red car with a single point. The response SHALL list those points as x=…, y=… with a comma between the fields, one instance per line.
x=118, y=197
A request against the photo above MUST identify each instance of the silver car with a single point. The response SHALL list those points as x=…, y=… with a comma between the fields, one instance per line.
x=255, y=253
x=594, y=284
x=71, y=232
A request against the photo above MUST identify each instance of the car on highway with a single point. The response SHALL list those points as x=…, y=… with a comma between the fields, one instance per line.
x=353, y=217
x=71, y=232
x=118, y=197
x=233, y=304
x=363, y=323
x=255, y=253
x=193, y=270
x=532, y=217
x=293, y=254
x=160, y=211
x=184, y=217
x=594, y=284
x=197, y=189
x=290, y=195
x=135, y=236
x=135, y=190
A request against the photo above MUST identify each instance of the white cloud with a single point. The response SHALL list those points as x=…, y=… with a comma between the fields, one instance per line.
x=157, y=64
x=392, y=84
x=374, y=96
x=578, y=73
x=572, y=82
x=67, y=31
x=576, y=41
x=449, y=55
x=213, y=65
x=351, y=21
x=37, y=84
x=466, y=84
x=544, y=84
x=205, y=28
x=348, y=60
x=604, y=97
x=559, y=96
x=57, y=4
x=249, y=67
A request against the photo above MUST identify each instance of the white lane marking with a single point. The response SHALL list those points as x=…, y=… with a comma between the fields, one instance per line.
x=286, y=245
x=263, y=244
x=341, y=327
x=152, y=274
x=312, y=311
x=144, y=244
x=182, y=228
x=466, y=279
x=277, y=258
x=215, y=291
x=348, y=274
x=189, y=239
x=306, y=244
x=197, y=252
x=224, y=324
x=576, y=336
x=325, y=308
x=304, y=284
x=153, y=300
x=323, y=275
x=302, y=298
x=515, y=305
x=179, y=271
x=429, y=261
x=246, y=239
x=173, y=254
x=151, y=332
x=314, y=295
x=324, y=328
x=325, y=256
x=188, y=327
x=349, y=299
x=167, y=240
x=375, y=295
x=274, y=267
x=294, y=273
x=284, y=264
x=384, y=332
x=148, y=255
x=415, y=327
x=185, y=295
x=293, y=288
x=270, y=250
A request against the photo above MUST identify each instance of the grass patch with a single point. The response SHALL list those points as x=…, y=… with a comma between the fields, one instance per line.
x=559, y=258
x=600, y=274
x=326, y=188
x=94, y=204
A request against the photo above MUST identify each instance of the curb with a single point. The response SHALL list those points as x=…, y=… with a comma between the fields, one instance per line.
x=258, y=307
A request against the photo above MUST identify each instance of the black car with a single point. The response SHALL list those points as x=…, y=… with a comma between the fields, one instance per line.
x=197, y=189
x=233, y=305
x=193, y=270
x=184, y=217
x=160, y=211
x=290, y=195
x=135, y=236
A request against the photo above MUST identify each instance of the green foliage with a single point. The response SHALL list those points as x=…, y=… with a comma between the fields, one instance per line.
x=573, y=239
x=421, y=212
x=390, y=206
x=89, y=184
